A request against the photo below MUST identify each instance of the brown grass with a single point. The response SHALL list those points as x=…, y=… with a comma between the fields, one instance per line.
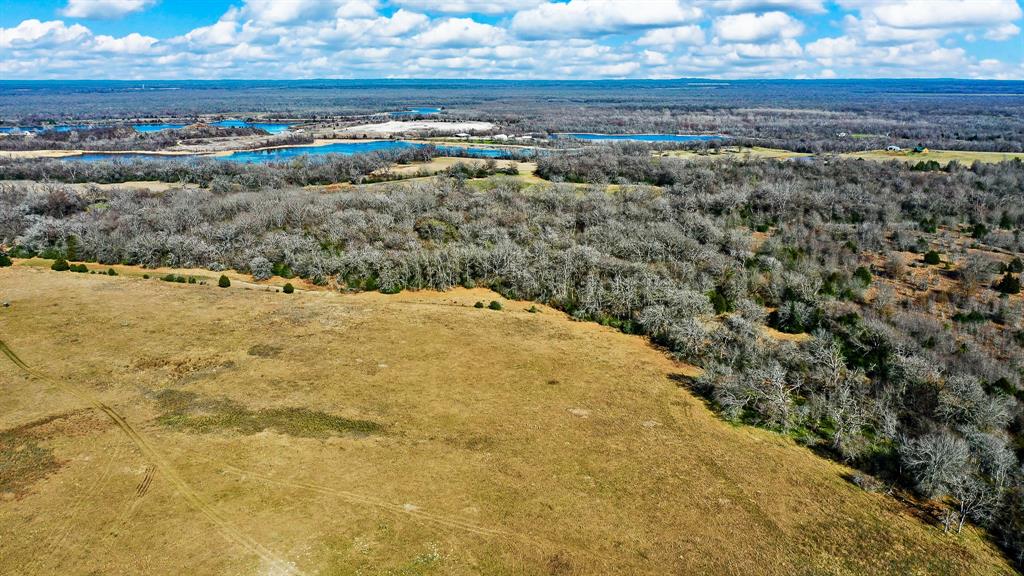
x=941, y=156
x=511, y=443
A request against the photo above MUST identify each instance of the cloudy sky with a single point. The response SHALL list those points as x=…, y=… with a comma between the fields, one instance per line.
x=168, y=39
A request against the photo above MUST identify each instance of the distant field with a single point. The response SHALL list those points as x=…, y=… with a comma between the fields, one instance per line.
x=940, y=156
x=173, y=428
x=737, y=152
x=441, y=163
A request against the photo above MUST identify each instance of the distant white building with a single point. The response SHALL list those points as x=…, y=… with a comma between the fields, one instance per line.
x=892, y=148
x=462, y=135
x=501, y=137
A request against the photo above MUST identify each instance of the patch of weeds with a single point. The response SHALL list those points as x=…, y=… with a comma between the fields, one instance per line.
x=264, y=351
x=191, y=412
x=972, y=317
x=23, y=461
x=559, y=563
x=421, y=564
x=478, y=304
x=494, y=305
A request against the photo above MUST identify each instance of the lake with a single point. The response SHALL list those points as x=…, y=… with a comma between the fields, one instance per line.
x=271, y=127
x=640, y=137
x=284, y=154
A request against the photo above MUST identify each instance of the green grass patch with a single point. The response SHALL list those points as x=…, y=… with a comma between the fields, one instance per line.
x=23, y=461
x=191, y=412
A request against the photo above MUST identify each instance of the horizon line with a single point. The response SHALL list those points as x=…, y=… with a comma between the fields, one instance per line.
x=449, y=79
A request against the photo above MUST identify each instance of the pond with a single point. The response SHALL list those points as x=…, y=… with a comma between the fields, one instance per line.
x=416, y=112
x=57, y=128
x=157, y=127
x=284, y=154
x=640, y=137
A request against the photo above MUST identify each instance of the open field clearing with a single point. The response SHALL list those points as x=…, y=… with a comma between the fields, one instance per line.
x=736, y=152
x=404, y=127
x=940, y=156
x=154, y=428
x=442, y=163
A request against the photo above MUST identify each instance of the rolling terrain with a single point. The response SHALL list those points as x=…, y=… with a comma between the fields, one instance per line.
x=150, y=426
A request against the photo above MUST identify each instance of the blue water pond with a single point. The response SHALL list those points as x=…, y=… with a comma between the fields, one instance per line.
x=416, y=112
x=273, y=128
x=284, y=154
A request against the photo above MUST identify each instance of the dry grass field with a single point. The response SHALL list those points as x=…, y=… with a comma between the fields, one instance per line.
x=149, y=427
x=737, y=153
x=943, y=157
x=442, y=163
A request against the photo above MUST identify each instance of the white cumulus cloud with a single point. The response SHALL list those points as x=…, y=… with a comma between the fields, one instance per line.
x=104, y=9
x=1004, y=32
x=460, y=33
x=670, y=37
x=33, y=33
x=582, y=18
x=941, y=13
x=221, y=33
x=832, y=47
x=133, y=43
x=469, y=6
x=813, y=6
x=750, y=27
x=288, y=11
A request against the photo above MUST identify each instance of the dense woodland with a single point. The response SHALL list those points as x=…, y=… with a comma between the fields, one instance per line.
x=908, y=282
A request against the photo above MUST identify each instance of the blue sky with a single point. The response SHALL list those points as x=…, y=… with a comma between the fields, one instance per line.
x=180, y=39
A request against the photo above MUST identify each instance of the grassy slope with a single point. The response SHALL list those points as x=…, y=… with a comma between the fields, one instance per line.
x=511, y=443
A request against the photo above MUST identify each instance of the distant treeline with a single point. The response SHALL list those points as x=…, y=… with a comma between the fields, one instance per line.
x=122, y=138
x=806, y=116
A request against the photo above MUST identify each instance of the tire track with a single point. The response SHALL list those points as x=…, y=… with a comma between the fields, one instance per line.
x=143, y=487
x=539, y=544
x=161, y=464
x=366, y=500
